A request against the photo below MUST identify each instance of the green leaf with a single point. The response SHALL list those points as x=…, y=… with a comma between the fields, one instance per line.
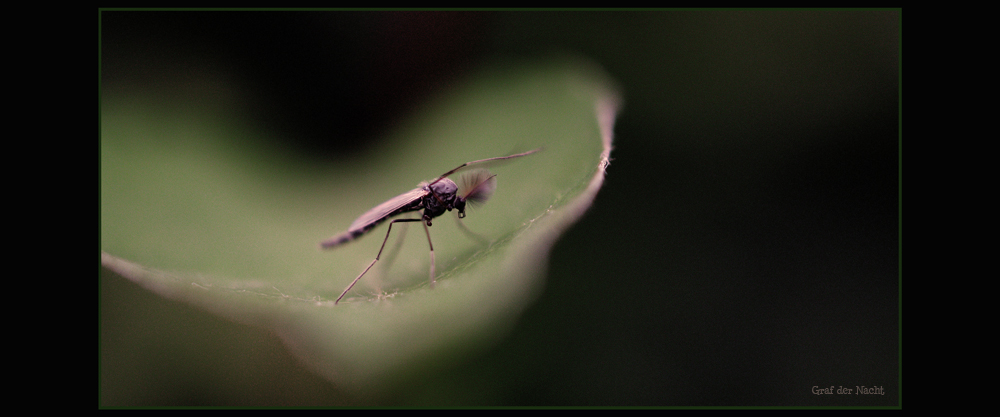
x=196, y=207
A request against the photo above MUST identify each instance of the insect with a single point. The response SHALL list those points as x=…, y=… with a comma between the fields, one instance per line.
x=434, y=198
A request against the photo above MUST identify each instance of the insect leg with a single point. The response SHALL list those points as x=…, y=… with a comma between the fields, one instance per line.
x=380, y=254
x=470, y=233
x=498, y=158
x=390, y=257
x=428, y=231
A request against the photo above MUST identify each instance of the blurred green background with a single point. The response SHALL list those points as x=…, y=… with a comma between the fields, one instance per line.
x=744, y=249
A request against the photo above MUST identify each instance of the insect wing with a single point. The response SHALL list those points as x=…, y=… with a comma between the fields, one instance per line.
x=388, y=208
x=482, y=163
x=478, y=186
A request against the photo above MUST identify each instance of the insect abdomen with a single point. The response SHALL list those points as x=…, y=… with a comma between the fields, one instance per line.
x=341, y=239
x=367, y=222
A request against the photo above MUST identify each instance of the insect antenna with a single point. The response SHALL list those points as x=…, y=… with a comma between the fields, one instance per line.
x=478, y=186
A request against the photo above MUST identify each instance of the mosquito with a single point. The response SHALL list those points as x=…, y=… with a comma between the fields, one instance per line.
x=434, y=198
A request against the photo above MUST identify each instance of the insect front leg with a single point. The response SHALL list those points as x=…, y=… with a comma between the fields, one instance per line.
x=380, y=255
x=469, y=233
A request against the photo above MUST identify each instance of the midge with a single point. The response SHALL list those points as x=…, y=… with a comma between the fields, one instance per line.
x=434, y=198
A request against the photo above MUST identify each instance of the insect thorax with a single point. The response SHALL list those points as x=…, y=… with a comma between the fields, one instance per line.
x=445, y=191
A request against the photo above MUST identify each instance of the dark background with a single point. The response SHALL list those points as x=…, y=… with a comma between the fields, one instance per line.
x=744, y=248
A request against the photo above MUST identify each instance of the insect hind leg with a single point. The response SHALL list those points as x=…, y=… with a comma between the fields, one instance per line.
x=380, y=255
